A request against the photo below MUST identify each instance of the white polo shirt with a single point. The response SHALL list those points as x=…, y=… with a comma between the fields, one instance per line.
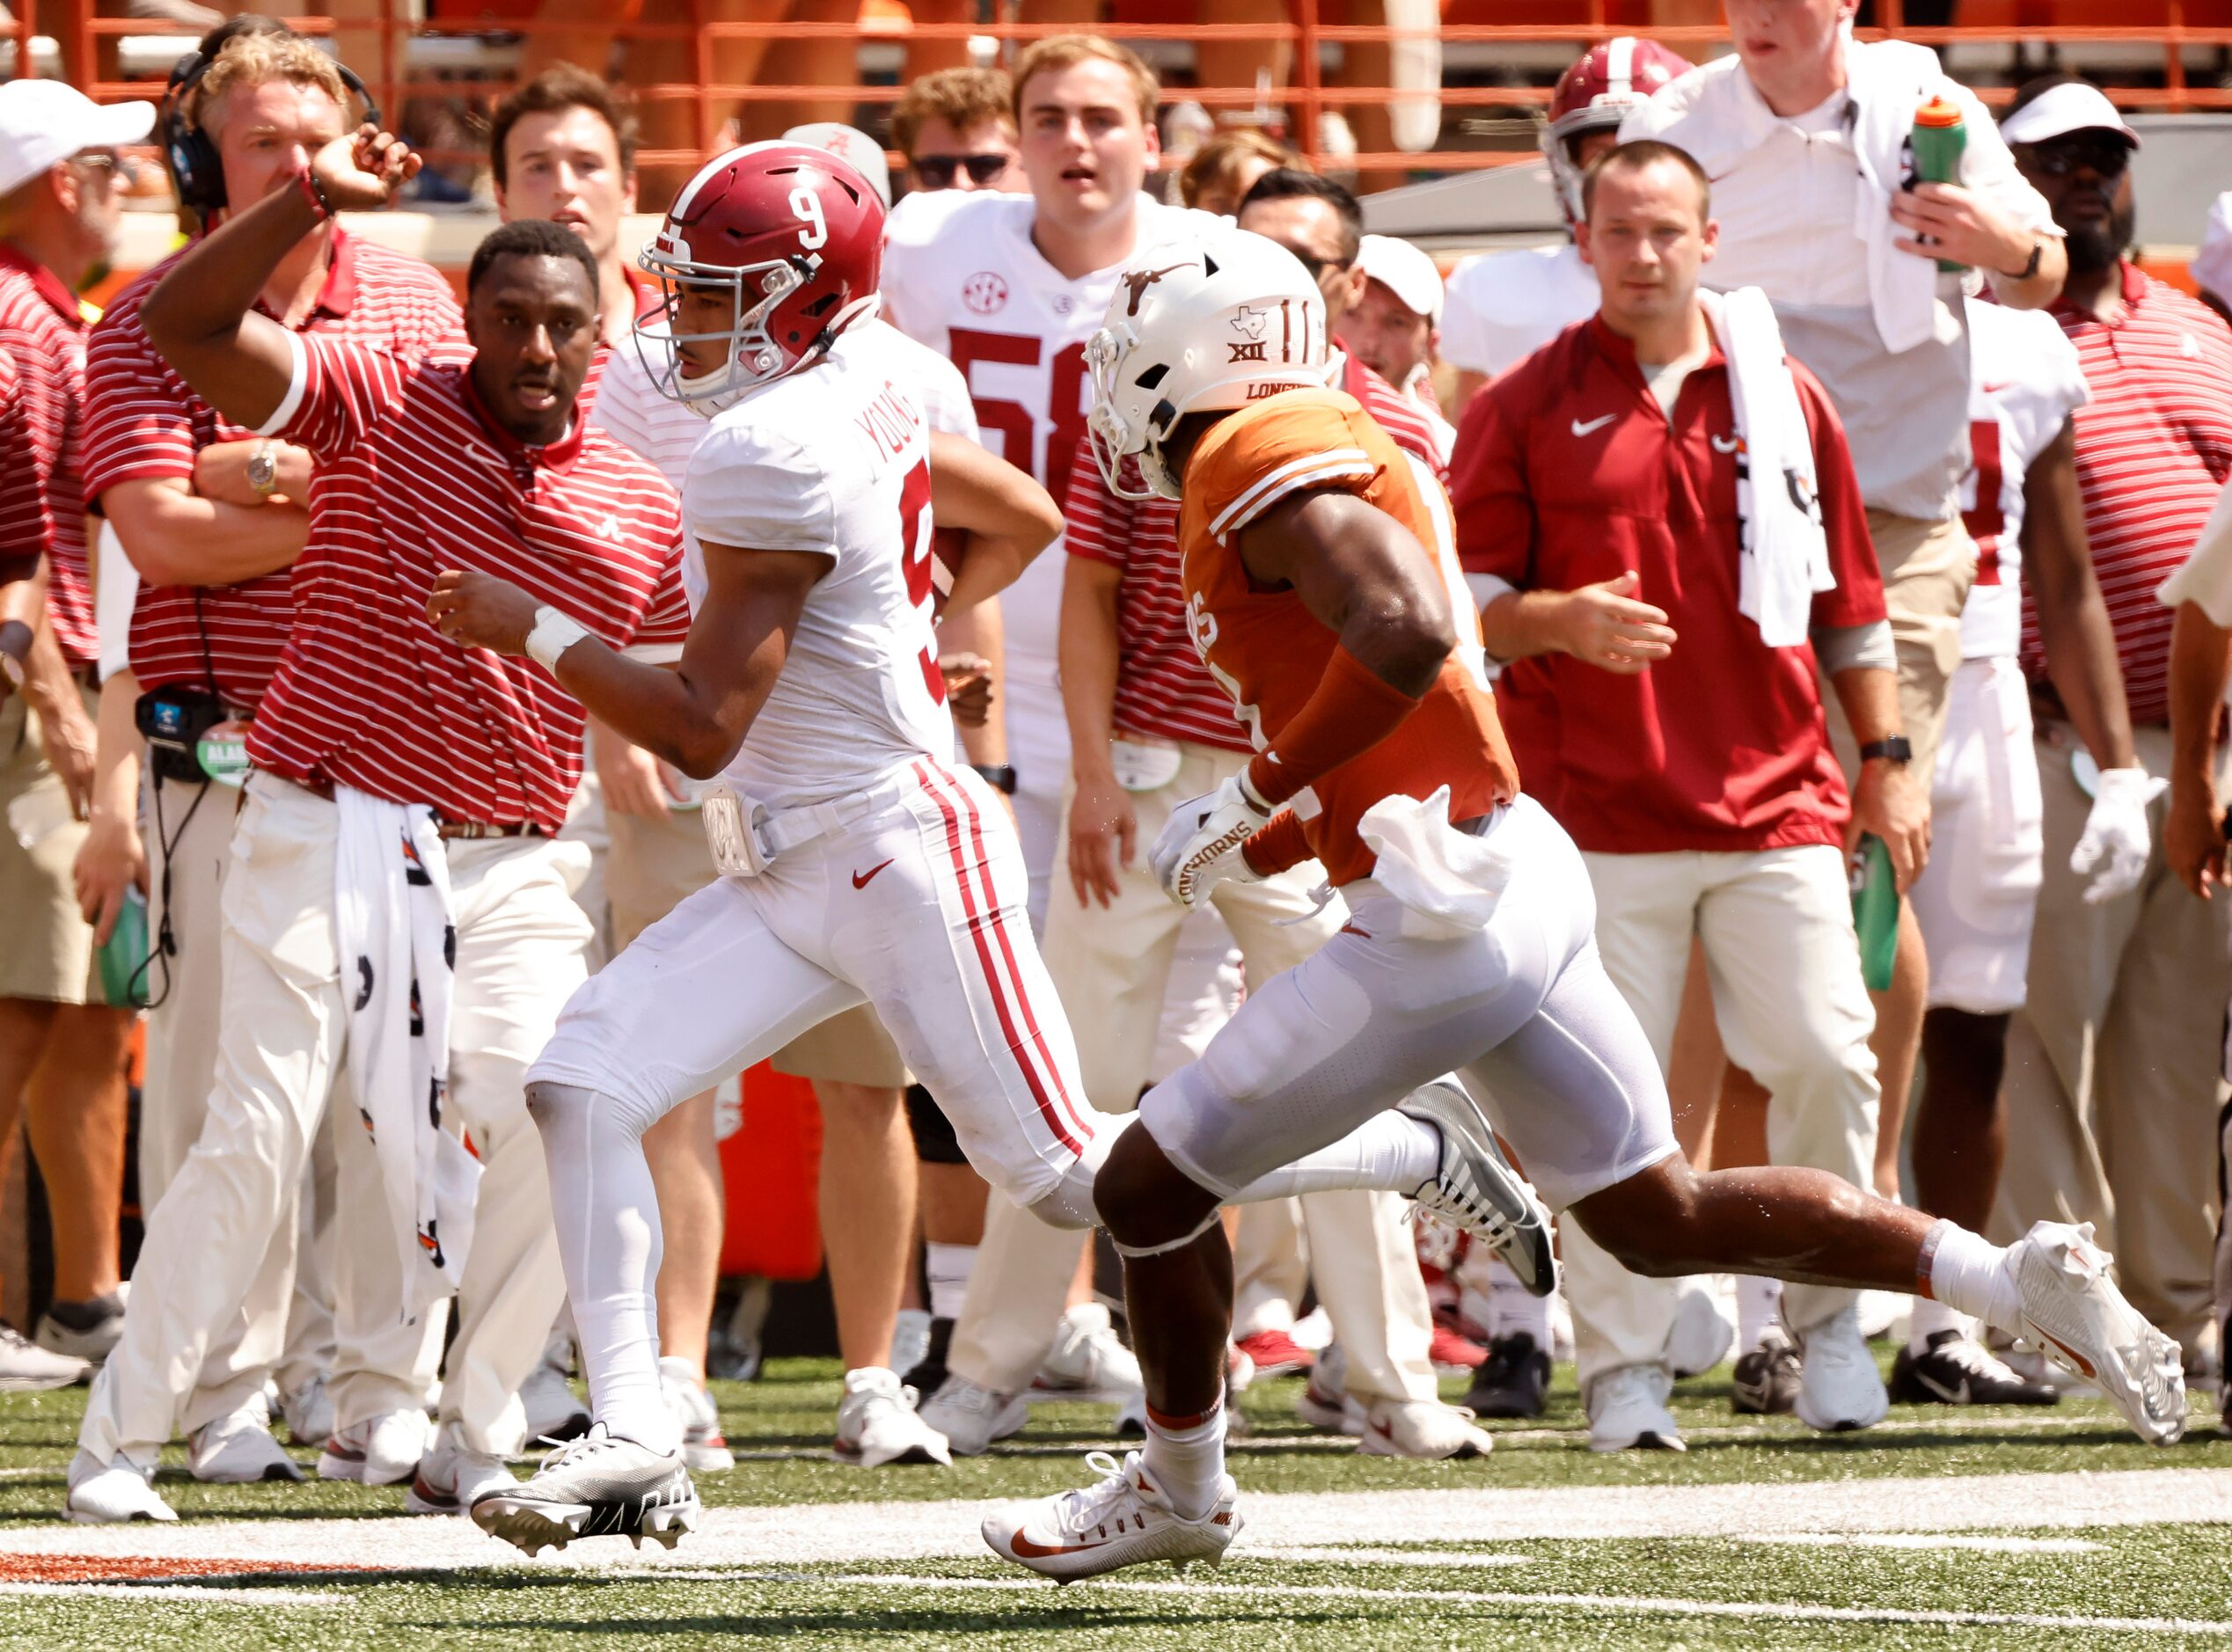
x=1789, y=194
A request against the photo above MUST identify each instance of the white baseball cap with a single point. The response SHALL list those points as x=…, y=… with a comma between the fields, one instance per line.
x=852, y=145
x=2074, y=106
x=1405, y=270
x=44, y=123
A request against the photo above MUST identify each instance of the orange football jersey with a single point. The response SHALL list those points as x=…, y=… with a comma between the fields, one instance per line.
x=1268, y=652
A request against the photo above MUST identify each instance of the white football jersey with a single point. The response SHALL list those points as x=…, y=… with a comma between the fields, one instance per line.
x=1502, y=307
x=2024, y=381
x=834, y=460
x=629, y=408
x=961, y=276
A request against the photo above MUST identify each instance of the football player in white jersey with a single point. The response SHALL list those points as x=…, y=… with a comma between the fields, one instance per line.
x=858, y=866
x=1977, y=898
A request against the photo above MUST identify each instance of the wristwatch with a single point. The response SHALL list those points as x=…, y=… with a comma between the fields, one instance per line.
x=999, y=776
x=263, y=469
x=1896, y=748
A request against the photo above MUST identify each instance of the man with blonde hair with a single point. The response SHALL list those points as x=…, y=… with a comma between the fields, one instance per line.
x=957, y=129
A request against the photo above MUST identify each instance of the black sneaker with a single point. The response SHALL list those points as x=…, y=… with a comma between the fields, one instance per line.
x=1954, y=1370
x=928, y=1374
x=1767, y=1379
x=1514, y=1380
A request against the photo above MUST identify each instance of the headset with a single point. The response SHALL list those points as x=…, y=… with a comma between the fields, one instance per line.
x=195, y=169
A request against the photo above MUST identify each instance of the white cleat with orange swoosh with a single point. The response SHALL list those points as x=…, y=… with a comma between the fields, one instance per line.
x=1121, y=1520
x=2073, y=1310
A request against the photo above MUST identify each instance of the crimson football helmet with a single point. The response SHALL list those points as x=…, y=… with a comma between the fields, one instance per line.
x=1595, y=96
x=794, y=236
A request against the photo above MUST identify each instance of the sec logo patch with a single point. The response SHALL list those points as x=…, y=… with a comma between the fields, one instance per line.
x=984, y=293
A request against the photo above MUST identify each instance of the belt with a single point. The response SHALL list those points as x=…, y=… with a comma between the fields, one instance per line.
x=448, y=830
x=793, y=827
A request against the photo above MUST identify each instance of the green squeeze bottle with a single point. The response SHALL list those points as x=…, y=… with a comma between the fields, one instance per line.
x=1938, y=139
x=123, y=955
x=1875, y=910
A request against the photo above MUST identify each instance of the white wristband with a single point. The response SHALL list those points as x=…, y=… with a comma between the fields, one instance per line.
x=554, y=634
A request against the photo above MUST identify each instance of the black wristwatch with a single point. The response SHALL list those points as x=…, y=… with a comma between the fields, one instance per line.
x=1896, y=748
x=999, y=776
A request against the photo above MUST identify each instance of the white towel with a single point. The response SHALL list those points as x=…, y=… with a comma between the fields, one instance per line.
x=396, y=927
x=1888, y=80
x=1448, y=882
x=1784, y=553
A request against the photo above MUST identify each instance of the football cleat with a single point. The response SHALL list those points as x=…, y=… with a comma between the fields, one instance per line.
x=2077, y=1315
x=1515, y=1382
x=1628, y=1411
x=1840, y=1388
x=1767, y=1379
x=598, y=1486
x=1955, y=1369
x=1475, y=1188
x=970, y=1418
x=1120, y=1520
x=877, y=1423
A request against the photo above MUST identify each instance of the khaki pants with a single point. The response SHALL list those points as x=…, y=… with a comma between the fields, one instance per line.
x=1928, y=568
x=1784, y=966
x=1112, y=968
x=295, y=1321
x=48, y=953
x=520, y=945
x=2113, y=1066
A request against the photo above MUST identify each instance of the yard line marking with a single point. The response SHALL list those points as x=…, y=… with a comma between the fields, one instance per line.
x=1388, y=1557
x=1930, y=1540
x=200, y=1592
x=1649, y=1605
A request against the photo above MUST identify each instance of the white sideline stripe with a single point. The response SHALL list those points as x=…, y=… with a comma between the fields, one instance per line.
x=167, y=1592
x=1646, y=1604
x=870, y=1532
x=1390, y=1557
x=1931, y=1540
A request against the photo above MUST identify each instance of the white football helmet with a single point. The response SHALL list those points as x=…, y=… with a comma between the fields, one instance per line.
x=1217, y=320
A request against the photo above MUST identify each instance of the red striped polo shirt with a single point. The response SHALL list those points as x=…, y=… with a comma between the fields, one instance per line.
x=415, y=477
x=2154, y=447
x=25, y=523
x=1163, y=690
x=143, y=422
x=43, y=329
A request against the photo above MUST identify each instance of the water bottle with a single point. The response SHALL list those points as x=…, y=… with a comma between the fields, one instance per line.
x=1875, y=911
x=1937, y=141
x=123, y=955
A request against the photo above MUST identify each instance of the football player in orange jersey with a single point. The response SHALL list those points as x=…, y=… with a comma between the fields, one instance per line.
x=1323, y=591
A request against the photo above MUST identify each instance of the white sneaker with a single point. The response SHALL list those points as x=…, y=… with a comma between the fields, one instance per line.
x=554, y=1411
x=1425, y=1429
x=1628, y=1411
x=1885, y=1314
x=970, y=1418
x=451, y=1474
x=1702, y=1334
x=92, y=1345
x=108, y=1494
x=598, y=1486
x=704, y=1449
x=27, y=1368
x=2075, y=1311
x=909, y=1339
x=1475, y=1189
x=1088, y=1357
x=238, y=1450
x=1121, y=1520
x=309, y=1412
x=1325, y=1402
x=380, y=1450
x=1840, y=1388
x=877, y=1423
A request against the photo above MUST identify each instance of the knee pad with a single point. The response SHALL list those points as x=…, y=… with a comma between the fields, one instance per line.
x=935, y=1141
x=1071, y=1203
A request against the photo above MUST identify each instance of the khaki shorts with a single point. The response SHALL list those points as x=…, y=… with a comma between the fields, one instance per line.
x=653, y=865
x=1928, y=568
x=49, y=952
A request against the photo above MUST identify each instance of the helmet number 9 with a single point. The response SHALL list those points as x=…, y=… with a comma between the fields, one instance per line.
x=807, y=206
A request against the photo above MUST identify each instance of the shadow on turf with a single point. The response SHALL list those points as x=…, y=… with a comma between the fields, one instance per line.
x=913, y=1626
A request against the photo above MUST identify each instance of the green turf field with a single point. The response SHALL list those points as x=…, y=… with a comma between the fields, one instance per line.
x=1938, y=1529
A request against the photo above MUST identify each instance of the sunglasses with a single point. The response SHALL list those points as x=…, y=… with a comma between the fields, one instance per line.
x=1317, y=267
x=2060, y=157
x=937, y=171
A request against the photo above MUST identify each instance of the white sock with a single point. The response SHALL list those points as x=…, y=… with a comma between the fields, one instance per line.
x=606, y=1212
x=1512, y=1308
x=1969, y=1275
x=949, y=1267
x=1184, y=1460
x=1388, y=1152
x=1930, y=1317
x=1759, y=1310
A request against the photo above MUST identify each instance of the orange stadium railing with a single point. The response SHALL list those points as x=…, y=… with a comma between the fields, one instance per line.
x=81, y=34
